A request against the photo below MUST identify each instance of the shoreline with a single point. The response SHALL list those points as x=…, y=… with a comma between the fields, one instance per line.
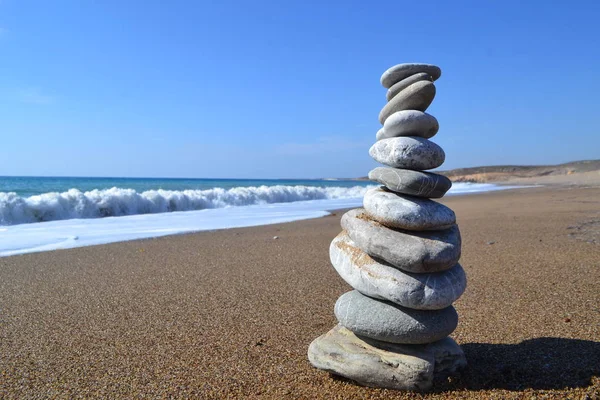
x=230, y=313
x=69, y=240
x=81, y=232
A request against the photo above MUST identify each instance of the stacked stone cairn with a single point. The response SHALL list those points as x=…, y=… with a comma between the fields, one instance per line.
x=400, y=253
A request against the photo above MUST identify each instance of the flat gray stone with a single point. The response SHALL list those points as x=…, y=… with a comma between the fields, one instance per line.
x=381, y=280
x=417, y=96
x=391, y=366
x=402, y=71
x=407, y=212
x=389, y=322
x=373, y=363
x=406, y=82
x=410, y=123
x=449, y=357
x=414, y=183
x=417, y=252
x=408, y=152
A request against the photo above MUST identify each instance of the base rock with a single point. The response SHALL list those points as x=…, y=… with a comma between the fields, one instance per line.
x=386, y=365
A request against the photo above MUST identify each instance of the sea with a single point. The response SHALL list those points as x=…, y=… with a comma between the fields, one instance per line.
x=49, y=213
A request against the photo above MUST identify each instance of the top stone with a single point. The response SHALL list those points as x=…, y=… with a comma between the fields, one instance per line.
x=402, y=71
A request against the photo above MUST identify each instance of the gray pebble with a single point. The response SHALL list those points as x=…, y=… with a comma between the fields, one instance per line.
x=403, y=71
x=417, y=252
x=417, y=96
x=407, y=212
x=410, y=123
x=380, y=280
x=388, y=322
x=408, y=152
x=406, y=82
x=414, y=183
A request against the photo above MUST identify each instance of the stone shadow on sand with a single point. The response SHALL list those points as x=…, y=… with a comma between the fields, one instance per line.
x=541, y=363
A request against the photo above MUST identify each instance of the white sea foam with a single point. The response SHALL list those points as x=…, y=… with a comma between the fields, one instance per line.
x=226, y=209
x=64, y=234
x=118, y=202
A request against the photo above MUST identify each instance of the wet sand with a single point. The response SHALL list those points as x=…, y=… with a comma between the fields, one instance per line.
x=230, y=314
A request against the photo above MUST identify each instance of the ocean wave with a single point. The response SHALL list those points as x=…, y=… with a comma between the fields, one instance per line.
x=116, y=202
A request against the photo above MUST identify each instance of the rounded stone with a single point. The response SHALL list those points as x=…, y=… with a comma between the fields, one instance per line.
x=410, y=123
x=402, y=71
x=407, y=212
x=408, y=152
x=388, y=322
x=406, y=82
x=380, y=134
x=417, y=96
x=416, y=252
x=381, y=280
x=414, y=183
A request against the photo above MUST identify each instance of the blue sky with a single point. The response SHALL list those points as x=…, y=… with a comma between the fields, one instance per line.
x=247, y=89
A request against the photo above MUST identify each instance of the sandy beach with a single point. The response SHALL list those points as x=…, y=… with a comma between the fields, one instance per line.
x=230, y=314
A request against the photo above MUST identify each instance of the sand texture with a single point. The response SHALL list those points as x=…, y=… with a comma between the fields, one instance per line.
x=230, y=314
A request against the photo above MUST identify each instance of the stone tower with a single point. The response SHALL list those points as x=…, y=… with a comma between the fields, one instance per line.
x=400, y=253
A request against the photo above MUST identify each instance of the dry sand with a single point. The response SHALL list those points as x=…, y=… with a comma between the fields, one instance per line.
x=231, y=313
x=583, y=179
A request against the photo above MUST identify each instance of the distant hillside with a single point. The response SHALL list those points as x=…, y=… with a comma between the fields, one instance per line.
x=504, y=173
x=499, y=173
